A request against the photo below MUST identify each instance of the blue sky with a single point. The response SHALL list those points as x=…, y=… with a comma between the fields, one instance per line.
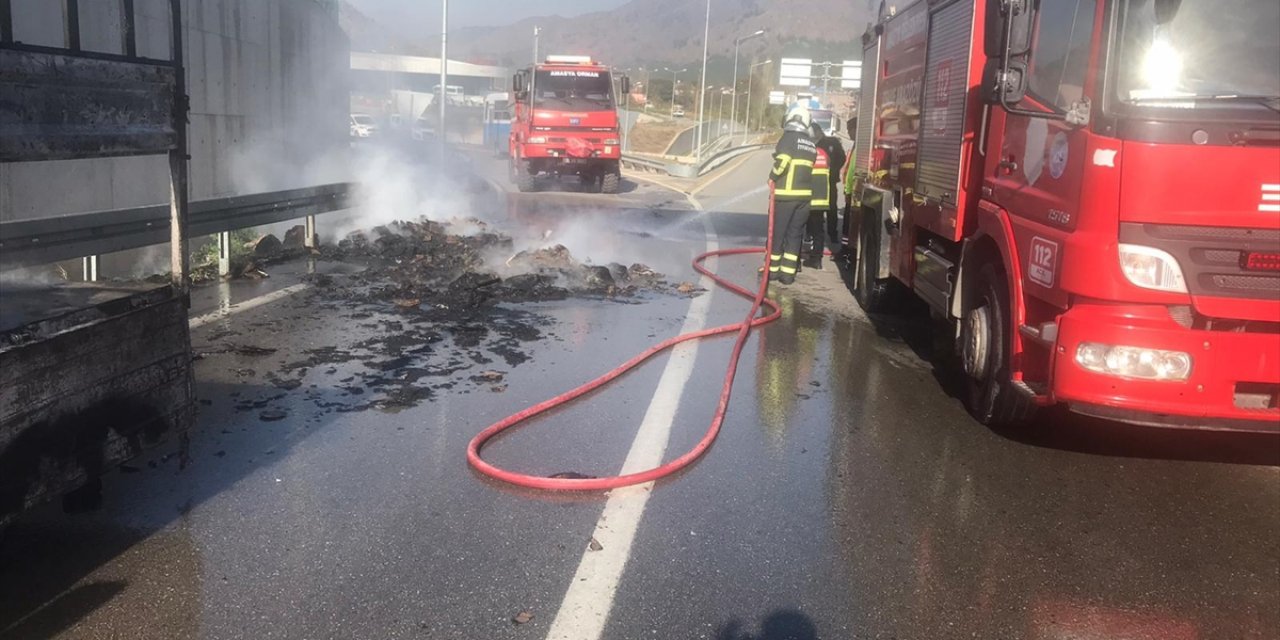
x=425, y=14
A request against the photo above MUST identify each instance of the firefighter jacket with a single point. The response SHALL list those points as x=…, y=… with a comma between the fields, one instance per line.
x=792, y=174
x=835, y=158
x=821, y=180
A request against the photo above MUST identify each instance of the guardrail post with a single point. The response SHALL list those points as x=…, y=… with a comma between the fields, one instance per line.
x=310, y=241
x=224, y=253
x=89, y=265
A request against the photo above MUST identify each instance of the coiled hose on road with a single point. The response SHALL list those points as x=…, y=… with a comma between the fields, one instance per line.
x=743, y=330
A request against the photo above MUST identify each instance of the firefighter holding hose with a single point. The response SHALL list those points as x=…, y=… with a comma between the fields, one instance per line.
x=791, y=178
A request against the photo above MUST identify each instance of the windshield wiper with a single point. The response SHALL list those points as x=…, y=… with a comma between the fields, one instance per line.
x=1270, y=102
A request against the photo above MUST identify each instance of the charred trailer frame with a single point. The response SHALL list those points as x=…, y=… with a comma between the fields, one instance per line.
x=85, y=389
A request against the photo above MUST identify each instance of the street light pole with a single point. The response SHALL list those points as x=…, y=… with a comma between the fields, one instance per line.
x=733, y=112
x=750, y=77
x=674, y=83
x=536, y=31
x=706, y=33
x=444, y=73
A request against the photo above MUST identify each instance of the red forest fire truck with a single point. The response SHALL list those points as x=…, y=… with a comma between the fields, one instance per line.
x=565, y=123
x=1087, y=194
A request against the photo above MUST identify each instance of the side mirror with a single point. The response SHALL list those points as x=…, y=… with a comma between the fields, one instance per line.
x=626, y=85
x=1015, y=18
x=1004, y=86
x=517, y=83
x=1007, y=44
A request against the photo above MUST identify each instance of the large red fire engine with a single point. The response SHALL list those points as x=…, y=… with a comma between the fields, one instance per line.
x=565, y=123
x=1087, y=194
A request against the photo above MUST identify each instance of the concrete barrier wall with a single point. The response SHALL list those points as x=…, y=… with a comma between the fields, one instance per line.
x=268, y=87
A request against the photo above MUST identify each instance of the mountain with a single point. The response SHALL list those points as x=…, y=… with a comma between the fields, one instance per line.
x=367, y=34
x=669, y=33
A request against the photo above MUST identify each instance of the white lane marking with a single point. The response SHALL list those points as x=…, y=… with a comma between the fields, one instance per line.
x=200, y=321
x=587, y=603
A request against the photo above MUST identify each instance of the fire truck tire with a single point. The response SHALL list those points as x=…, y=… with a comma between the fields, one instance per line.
x=985, y=345
x=524, y=177
x=609, y=183
x=872, y=292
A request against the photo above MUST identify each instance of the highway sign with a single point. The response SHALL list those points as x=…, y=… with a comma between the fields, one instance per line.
x=851, y=74
x=795, y=72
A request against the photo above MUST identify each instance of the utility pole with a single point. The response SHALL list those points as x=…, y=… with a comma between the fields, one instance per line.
x=444, y=74
x=706, y=33
x=536, y=30
x=733, y=112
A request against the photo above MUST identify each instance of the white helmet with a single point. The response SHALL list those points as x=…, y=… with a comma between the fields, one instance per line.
x=798, y=112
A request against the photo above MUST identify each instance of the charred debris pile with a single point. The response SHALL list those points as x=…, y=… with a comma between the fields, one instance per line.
x=429, y=267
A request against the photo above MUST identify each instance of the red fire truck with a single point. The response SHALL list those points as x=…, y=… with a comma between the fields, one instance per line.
x=565, y=123
x=1086, y=193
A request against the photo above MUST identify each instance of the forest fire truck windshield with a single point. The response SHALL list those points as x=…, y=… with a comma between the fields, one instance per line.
x=581, y=89
x=1182, y=52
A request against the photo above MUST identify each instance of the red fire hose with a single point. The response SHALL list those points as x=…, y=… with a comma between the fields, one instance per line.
x=743, y=330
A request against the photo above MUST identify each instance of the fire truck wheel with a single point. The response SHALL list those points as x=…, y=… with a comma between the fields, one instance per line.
x=524, y=176
x=609, y=183
x=984, y=349
x=871, y=291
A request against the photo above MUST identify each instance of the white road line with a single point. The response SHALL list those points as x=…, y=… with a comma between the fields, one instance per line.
x=586, y=605
x=200, y=321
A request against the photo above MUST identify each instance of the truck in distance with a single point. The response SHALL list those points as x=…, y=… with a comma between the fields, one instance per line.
x=565, y=122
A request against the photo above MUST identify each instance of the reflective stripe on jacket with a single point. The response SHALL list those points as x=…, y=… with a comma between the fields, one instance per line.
x=821, y=180
x=793, y=159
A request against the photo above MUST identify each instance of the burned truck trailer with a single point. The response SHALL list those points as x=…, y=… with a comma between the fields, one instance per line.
x=93, y=373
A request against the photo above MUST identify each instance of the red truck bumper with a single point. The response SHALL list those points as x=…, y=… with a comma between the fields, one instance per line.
x=1234, y=383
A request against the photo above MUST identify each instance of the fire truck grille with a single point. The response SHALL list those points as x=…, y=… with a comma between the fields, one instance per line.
x=1211, y=257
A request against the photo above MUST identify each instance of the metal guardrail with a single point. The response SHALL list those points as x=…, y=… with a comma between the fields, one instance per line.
x=34, y=242
x=681, y=170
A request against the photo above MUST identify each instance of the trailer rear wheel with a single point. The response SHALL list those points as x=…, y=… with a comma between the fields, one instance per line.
x=871, y=291
x=985, y=344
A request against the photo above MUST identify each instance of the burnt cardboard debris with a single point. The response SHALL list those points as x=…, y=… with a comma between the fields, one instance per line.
x=432, y=310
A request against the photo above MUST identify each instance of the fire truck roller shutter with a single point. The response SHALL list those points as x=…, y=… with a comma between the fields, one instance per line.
x=942, y=118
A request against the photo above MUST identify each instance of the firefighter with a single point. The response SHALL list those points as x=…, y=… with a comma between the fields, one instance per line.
x=824, y=203
x=791, y=178
x=845, y=251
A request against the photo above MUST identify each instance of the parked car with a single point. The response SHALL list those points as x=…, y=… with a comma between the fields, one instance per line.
x=363, y=125
x=677, y=112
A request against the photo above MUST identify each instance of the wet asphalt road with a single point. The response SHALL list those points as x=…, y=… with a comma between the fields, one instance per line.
x=849, y=494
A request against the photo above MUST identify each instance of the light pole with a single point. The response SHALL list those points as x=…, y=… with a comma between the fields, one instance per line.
x=733, y=112
x=444, y=73
x=536, y=31
x=706, y=34
x=674, y=83
x=750, y=76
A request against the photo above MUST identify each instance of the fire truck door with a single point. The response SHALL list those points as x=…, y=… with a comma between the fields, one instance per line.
x=1041, y=165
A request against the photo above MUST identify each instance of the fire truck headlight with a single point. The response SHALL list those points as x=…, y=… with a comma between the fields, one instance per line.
x=611, y=141
x=1151, y=268
x=537, y=140
x=1134, y=362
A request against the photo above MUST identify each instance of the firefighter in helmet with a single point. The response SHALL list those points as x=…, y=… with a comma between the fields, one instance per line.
x=792, y=178
x=846, y=252
x=822, y=224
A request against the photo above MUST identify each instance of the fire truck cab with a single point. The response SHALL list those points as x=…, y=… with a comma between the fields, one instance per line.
x=565, y=122
x=1086, y=193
